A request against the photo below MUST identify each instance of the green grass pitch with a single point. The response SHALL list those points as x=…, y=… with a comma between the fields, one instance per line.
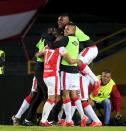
x=57, y=128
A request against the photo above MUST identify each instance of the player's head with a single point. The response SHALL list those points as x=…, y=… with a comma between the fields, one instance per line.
x=50, y=30
x=70, y=29
x=51, y=34
x=55, y=34
x=63, y=19
x=106, y=76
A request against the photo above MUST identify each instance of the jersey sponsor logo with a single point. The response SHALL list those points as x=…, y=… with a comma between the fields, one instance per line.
x=48, y=70
x=75, y=43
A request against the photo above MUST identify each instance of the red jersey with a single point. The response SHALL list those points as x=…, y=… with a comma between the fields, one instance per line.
x=52, y=59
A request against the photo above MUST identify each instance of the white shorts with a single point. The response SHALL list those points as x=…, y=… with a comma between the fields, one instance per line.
x=88, y=54
x=53, y=85
x=84, y=84
x=34, y=85
x=69, y=81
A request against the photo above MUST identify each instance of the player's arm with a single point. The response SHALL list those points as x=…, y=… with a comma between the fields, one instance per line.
x=67, y=57
x=60, y=43
x=39, y=54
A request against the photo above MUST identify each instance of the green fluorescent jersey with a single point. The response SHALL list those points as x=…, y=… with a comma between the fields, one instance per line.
x=73, y=49
x=40, y=46
x=80, y=35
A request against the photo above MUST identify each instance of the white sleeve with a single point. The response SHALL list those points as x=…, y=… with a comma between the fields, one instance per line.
x=62, y=50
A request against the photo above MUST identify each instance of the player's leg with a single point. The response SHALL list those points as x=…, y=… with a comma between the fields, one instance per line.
x=74, y=88
x=66, y=98
x=41, y=95
x=85, y=58
x=26, y=103
x=53, y=85
x=107, y=111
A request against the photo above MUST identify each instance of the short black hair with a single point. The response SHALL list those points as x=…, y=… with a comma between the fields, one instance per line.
x=65, y=14
x=106, y=71
x=71, y=23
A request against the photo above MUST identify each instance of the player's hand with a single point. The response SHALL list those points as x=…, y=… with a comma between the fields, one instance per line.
x=91, y=102
x=118, y=116
x=95, y=93
x=96, y=88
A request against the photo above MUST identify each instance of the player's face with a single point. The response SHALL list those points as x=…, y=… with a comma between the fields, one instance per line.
x=105, y=78
x=62, y=21
x=69, y=30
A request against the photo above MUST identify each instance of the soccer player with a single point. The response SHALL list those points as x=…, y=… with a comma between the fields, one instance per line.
x=86, y=45
x=70, y=76
x=36, y=86
x=51, y=78
x=38, y=91
x=42, y=89
x=107, y=94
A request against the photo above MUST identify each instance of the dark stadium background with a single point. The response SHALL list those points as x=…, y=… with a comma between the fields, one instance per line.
x=109, y=8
